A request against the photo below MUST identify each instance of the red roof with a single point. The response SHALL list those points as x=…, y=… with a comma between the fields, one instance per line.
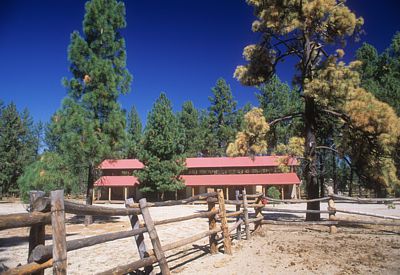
x=117, y=181
x=241, y=179
x=121, y=164
x=217, y=162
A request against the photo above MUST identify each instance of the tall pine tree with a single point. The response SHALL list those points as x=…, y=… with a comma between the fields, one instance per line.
x=91, y=124
x=222, y=116
x=189, y=118
x=163, y=151
x=134, y=134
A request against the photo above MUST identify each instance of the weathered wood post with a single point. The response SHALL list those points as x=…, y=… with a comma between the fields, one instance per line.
x=239, y=228
x=212, y=224
x=58, y=231
x=37, y=232
x=224, y=223
x=331, y=207
x=258, y=214
x=139, y=239
x=246, y=215
x=159, y=253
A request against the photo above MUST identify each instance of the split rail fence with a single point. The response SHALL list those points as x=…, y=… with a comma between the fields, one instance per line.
x=52, y=211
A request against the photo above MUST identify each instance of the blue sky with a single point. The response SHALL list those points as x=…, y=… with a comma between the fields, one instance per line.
x=176, y=46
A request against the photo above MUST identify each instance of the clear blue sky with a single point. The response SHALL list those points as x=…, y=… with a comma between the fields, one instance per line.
x=176, y=46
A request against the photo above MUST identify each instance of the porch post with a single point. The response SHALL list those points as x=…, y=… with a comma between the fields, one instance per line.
x=109, y=194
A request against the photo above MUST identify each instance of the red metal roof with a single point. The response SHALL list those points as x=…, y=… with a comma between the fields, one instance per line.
x=218, y=162
x=241, y=179
x=121, y=164
x=117, y=181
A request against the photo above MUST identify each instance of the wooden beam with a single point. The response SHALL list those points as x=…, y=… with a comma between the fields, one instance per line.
x=109, y=194
x=162, y=261
x=23, y=220
x=227, y=193
x=239, y=228
x=139, y=239
x=37, y=232
x=246, y=215
x=44, y=252
x=224, y=223
x=31, y=268
x=125, y=193
x=58, y=232
x=283, y=193
x=212, y=225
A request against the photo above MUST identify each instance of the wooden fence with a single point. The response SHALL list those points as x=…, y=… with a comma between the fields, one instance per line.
x=52, y=211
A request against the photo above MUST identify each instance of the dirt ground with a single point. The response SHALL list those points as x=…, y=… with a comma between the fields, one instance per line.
x=274, y=250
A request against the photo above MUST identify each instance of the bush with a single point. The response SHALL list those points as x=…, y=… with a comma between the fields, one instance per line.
x=274, y=193
x=46, y=174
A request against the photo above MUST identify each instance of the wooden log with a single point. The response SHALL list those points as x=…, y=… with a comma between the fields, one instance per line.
x=212, y=226
x=94, y=210
x=37, y=232
x=224, y=223
x=295, y=201
x=24, y=220
x=352, y=222
x=253, y=196
x=178, y=202
x=258, y=214
x=42, y=253
x=30, y=268
x=270, y=209
x=365, y=200
x=131, y=267
x=305, y=223
x=331, y=207
x=139, y=238
x=58, y=231
x=246, y=215
x=368, y=214
x=159, y=253
x=239, y=228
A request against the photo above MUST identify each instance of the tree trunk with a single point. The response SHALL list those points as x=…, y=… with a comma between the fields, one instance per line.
x=310, y=171
x=89, y=193
x=321, y=176
x=351, y=182
x=335, y=186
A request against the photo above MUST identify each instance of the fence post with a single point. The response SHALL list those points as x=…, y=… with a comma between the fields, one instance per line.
x=239, y=228
x=37, y=231
x=331, y=207
x=139, y=239
x=246, y=215
x=58, y=231
x=162, y=261
x=258, y=214
x=212, y=224
x=224, y=223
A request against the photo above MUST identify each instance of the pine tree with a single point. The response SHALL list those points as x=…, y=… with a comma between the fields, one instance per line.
x=189, y=118
x=162, y=151
x=90, y=123
x=134, y=134
x=17, y=146
x=301, y=29
x=222, y=115
x=209, y=142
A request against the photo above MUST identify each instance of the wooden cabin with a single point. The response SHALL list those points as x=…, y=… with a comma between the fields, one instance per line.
x=203, y=175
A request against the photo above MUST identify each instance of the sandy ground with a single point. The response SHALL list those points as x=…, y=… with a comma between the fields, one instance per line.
x=276, y=249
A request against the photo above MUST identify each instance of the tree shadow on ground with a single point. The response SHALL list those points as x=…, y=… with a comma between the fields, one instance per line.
x=19, y=240
x=79, y=219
